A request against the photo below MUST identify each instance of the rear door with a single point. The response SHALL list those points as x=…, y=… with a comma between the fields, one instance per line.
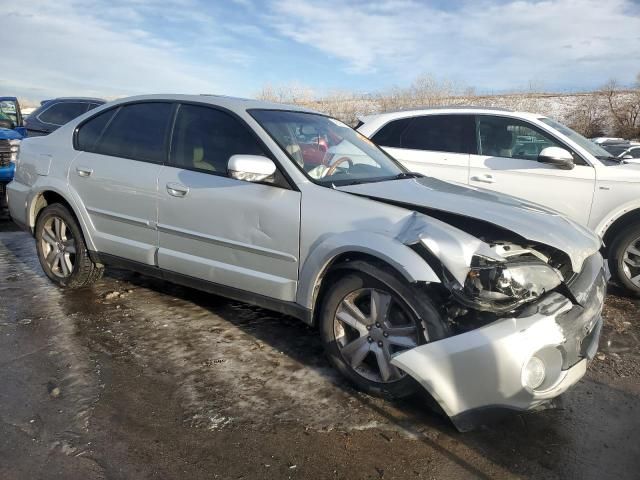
x=215, y=228
x=115, y=177
x=507, y=162
x=434, y=145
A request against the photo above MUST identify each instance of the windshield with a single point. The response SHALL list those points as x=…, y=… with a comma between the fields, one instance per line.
x=8, y=111
x=326, y=150
x=595, y=150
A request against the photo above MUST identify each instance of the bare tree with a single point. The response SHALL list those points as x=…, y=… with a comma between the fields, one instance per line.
x=424, y=91
x=587, y=116
x=289, y=93
x=624, y=108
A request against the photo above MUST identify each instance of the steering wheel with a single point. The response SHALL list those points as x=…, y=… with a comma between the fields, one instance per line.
x=334, y=165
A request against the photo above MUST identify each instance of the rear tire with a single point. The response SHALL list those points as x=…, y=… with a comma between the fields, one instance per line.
x=360, y=341
x=62, y=250
x=624, y=255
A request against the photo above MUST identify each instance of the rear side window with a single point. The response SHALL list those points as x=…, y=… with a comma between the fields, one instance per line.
x=205, y=138
x=61, y=113
x=389, y=135
x=440, y=133
x=94, y=105
x=138, y=131
x=635, y=152
x=90, y=132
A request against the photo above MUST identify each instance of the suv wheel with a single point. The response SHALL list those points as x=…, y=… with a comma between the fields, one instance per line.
x=369, y=316
x=624, y=259
x=61, y=249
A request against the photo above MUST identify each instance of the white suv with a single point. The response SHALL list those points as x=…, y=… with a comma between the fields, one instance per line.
x=528, y=156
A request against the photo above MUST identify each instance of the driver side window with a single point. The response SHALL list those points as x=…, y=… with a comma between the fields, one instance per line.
x=205, y=138
x=511, y=138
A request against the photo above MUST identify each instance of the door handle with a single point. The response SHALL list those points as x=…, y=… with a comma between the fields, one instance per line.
x=484, y=178
x=84, y=171
x=177, y=190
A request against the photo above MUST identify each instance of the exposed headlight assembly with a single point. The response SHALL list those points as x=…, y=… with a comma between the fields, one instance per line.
x=14, y=147
x=503, y=286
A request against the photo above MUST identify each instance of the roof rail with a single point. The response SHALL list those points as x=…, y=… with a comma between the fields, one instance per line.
x=451, y=107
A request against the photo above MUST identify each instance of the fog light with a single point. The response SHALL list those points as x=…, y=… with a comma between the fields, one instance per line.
x=533, y=373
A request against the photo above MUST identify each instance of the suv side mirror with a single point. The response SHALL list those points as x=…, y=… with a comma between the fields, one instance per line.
x=628, y=156
x=558, y=157
x=7, y=124
x=251, y=168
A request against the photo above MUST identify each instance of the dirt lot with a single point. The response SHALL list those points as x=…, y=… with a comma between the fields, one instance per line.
x=137, y=378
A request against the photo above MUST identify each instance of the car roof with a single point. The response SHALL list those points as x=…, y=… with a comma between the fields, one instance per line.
x=455, y=109
x=231, y=103
x=75, y=99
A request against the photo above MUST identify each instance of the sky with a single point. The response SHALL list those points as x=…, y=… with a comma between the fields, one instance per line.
x=113, y=48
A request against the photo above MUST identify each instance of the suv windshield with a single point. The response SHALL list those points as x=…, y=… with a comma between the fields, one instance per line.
x=326, y=150
x=595, y=150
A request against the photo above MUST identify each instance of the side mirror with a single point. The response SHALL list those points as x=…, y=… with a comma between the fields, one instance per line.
x=628, y=157
x=7, y=124
x=251, y=168
x=558, y=157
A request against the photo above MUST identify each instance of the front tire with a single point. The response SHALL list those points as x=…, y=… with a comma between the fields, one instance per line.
x=62, y=251
x=624, y=259
x=369, y=315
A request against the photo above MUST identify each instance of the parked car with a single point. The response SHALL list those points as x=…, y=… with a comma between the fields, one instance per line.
x=529, y=156
x=615, y=146
x=51, y=114
x=629, y=152
x=11, y=132
x=488, y=301
x=604, y=140
x=632, y=153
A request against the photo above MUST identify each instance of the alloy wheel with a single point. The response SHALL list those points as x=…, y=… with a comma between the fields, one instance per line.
x=58, y=247
x=631, y=262
x=370, y=326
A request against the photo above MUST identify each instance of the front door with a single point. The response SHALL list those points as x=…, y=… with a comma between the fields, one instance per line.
x=215, y=228
x=506, y=162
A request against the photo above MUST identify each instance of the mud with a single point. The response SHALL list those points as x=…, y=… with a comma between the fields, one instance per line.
x=138, y=378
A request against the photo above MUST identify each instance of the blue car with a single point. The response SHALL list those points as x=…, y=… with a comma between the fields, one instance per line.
x=11, y=132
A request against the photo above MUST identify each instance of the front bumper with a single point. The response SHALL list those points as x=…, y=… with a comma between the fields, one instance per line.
x=482, y=370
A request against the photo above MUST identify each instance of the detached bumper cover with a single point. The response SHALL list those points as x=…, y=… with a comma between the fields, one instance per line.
x=481, y=370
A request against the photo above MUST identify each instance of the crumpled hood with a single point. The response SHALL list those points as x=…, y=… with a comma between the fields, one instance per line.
x=529, y=220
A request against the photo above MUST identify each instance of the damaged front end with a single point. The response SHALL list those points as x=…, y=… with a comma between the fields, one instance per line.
x=524, y=322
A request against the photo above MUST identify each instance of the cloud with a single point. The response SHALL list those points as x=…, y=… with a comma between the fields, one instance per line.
x=113, y=48
x=494, y=44
x=102, y=49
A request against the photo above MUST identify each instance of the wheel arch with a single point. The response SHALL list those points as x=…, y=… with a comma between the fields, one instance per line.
x=610, y=229
x=48, y=196
x=332, y=256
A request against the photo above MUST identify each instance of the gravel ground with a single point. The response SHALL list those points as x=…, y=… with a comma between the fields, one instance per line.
x=138, y=378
